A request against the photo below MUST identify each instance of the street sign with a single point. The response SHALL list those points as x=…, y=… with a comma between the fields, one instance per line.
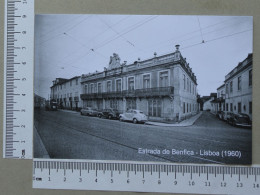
x=18, y=79
x=145, y=177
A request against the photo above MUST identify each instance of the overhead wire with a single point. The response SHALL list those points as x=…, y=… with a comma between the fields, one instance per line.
x=133, y=27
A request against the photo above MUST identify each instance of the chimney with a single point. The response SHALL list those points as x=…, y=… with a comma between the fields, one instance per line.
x=177, y=47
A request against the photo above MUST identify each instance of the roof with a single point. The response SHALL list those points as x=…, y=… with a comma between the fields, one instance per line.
x=240, y=67
x=221, y=86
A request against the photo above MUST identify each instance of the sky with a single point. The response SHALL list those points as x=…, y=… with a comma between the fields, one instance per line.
x=72, y=45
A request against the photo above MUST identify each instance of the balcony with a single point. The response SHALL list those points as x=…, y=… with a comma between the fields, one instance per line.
x=138, y=93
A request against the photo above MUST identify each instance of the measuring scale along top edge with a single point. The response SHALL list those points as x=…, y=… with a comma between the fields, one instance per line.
x=18, y=79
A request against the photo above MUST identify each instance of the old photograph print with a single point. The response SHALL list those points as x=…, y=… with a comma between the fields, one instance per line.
x=153, y=88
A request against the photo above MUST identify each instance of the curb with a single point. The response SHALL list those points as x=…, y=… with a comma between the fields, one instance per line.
x=181, y=124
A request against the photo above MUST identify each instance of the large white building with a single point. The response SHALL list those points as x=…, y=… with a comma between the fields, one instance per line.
x=163, y=87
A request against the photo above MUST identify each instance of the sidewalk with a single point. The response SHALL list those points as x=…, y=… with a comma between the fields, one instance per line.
x=184, y=123
x=71, y=111
x=38, y=147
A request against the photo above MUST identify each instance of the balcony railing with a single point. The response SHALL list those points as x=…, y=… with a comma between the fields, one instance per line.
x=76, y=99
x=138, y=93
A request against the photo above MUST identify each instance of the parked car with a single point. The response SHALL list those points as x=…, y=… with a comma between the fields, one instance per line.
x=239, y=119
x=225, y=115
x=136, y=116
x=51, y=105
x=219, y=115
x=109, y=113
x=89, y=111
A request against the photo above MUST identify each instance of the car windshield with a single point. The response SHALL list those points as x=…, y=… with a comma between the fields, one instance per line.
x=141, y=112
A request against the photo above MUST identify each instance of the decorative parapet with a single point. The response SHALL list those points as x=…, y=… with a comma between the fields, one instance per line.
x=115, y=69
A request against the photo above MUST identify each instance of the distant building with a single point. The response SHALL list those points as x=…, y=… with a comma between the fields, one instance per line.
x=66, y=92
x=209, y=102
x=39, y=102
x=238, y=88
x=163, y=87
x=221, y=98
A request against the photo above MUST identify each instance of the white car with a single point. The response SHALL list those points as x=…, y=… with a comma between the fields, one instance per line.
x=136, y=116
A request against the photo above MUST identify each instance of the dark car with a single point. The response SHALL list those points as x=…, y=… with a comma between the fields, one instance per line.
x=110, y=113
x=51, y=105
x=219, y=115
x=240, y=119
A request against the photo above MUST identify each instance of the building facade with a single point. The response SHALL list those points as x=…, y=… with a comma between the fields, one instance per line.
x=238, y=88
x=220, y=102
x=66, y=92
x=162, y=87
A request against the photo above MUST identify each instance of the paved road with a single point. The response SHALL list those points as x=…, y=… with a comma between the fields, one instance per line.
x=68, y=135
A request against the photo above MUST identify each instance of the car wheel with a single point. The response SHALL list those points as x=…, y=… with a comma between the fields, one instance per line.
x=99, y=115
x=109, y=117
x=135, y=121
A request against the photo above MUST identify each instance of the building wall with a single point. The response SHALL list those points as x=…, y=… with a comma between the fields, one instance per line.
x=67, y=89
x=243, y=95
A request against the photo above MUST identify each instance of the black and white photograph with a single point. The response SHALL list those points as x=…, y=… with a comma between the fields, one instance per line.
x=153, y=88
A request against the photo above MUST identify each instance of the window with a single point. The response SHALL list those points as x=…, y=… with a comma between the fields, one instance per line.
x=239, y=83
x=76, y=94
x=184, y=82
x=231, y=86
x=187, y=107
x=95, y=88
x=226, y=88
x=187, y=84
x=190, y=86
x=118, y=85
x=92, y=88
x=99, y=87
x=155, y=108
x=227, y=107
x=231, y=107
x=183, y=107
x=86, y=89
x=108, y=86
x=163, y=79
x=131, y=83
x=114, y=104
x=146, y=81
x=239, y=107
x=77, y=82
x=70, y=82
x=250, y=77
x=131, y=104
x=60, y=86
x=250, y=107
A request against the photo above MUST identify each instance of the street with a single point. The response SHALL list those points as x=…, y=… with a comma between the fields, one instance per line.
x=68, y=135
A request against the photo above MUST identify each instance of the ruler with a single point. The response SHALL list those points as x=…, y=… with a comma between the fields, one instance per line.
x=145, y=177
x=18, y=79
